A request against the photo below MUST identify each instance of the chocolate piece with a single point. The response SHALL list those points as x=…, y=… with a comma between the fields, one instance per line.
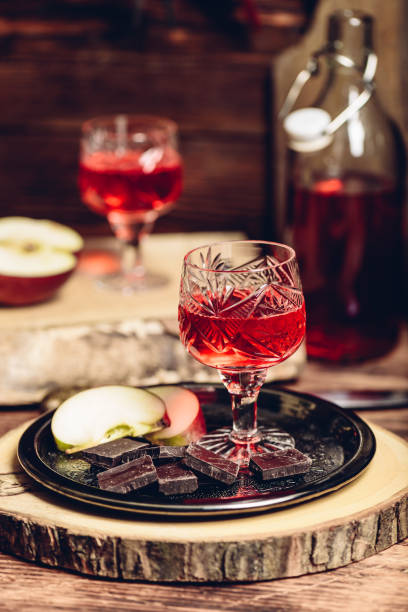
x=173, y=479
x=279, y=464
x=114, y=452
x=210, y=464
x=128, y=476
x=164, y=452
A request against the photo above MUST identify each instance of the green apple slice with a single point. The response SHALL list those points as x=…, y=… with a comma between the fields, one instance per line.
x=187, y=423
x=101, y=414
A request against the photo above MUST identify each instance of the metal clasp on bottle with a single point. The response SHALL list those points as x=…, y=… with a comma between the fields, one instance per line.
x=324, y=137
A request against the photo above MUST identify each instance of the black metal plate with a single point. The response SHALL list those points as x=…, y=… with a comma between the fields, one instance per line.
x=340, y=444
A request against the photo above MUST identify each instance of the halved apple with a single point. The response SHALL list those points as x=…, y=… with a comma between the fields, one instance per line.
x=41, y=231
x=36, y=258
x=187, y=423
x=105, y=413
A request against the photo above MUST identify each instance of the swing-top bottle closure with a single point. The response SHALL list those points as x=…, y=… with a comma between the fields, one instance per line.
x=312, y=129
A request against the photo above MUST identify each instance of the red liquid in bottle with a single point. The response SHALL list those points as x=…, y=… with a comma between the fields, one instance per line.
x=132, y=182
x=346, y=235
x=233, y=340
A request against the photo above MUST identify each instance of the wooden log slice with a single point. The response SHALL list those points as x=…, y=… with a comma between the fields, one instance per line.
x=359, y=520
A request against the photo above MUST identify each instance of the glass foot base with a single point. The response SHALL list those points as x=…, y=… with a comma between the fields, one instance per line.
x=129, y=283
x=271, y=438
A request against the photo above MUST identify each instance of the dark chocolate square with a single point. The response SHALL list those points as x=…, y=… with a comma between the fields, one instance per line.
x=210, y=464
x=109, y=454
x=268, y=466
x=164, y=452
x=174, y=479
x=128, y=476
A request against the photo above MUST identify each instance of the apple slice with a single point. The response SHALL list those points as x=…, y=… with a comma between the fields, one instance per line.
x=101, y=414
x=23, y=230
x=36, y=258
x=34, y=261
x=187, y=423
x=29, y=276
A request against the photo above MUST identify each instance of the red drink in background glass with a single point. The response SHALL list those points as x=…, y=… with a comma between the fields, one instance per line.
x=130, y=171
x=231, y=339
x=132, y=182
x=346, y=232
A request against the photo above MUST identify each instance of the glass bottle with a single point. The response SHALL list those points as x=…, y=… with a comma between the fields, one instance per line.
x=345, y=200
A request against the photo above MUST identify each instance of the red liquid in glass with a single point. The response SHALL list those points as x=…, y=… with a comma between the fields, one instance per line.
x=346, y=236
x=232, y=340
x=130, y=183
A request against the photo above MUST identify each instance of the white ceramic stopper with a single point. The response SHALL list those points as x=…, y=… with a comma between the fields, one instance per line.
x=306, y=129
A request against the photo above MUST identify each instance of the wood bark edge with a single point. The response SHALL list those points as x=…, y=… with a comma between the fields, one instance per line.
x=333, y=544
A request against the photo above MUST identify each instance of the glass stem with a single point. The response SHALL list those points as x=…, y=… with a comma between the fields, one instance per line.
x=130, y=232
x=244, y=388
x=131, y=259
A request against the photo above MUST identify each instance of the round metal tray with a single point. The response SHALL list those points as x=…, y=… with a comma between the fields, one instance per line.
x=340, y=444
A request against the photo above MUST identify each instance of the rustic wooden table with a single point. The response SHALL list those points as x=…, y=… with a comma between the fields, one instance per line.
x=379, y=582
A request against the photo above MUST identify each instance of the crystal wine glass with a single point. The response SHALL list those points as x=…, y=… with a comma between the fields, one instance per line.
x=241, y=311
x=131, y=172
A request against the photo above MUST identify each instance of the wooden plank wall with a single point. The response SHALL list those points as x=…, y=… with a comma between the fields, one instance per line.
x=205, y=63
x=61, y=63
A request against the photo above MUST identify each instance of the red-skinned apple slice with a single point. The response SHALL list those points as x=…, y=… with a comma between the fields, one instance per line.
x=36, y=258
x=187, y=423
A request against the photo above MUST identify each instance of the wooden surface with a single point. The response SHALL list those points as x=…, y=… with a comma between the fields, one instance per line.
x=350, y=524
x=381, y=578
x=379, y=582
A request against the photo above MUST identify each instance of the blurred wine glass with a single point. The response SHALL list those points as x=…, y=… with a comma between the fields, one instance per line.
x=131, y=172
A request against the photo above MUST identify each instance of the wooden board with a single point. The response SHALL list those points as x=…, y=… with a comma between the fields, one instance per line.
x=359, y=520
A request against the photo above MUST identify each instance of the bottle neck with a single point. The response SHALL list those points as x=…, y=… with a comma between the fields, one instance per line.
x=338, y=73
x=347, y=81
x=341, y=86
x=350, y=60
x=350, y=38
